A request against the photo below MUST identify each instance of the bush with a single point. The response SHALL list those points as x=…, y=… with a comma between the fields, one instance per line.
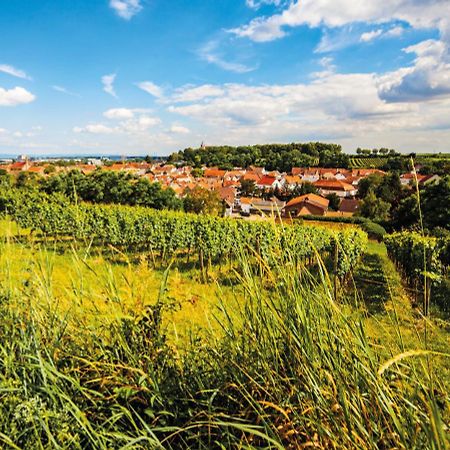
x=373, y=230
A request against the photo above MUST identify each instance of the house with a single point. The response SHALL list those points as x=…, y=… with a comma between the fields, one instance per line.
x=349, y=206
x=409, y=179
x=340, y=188
x=308, y=204
x=292, y=181
x=429, y=179
x=19, y=166
x=269, y=182
x=214, y=172
x=253, y=205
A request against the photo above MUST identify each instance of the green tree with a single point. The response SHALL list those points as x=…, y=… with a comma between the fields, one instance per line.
x=203, y=201
x=247, y=188
x=435, y=203
x=374, y=208
x=334, y=200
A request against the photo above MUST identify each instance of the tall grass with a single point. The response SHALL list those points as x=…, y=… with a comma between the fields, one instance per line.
x=291, y=369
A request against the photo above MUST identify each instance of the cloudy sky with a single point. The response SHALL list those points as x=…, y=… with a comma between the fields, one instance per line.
x=154, y=76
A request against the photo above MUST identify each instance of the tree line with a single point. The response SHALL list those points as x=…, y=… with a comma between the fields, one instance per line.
x=281, y=157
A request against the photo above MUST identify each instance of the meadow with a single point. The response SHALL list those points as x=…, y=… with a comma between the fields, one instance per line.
x=108, y=347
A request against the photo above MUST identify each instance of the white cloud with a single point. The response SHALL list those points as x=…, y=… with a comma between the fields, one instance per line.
x=108, y=84
x=427, y=79
x=151, y=88
x=63, y=90
x=375, y=34
x=256, y=4
x=209, y=53
x=179, y=129
x=337, y=13
x=328, y=68
x=127, y=121
x=10, y=70
x=195, y=93
x=119, y=113
x=126, y=8
x=95, y=128
x=15, y=96
x=395, y=32
x=371, y=35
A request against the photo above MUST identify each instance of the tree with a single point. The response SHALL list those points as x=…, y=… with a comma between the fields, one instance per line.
x=5, y=179
x=368, y=183
x=335, y=201
x=375, y=152
x=203, y=201
x=435, y=204
x=359, y=151
x=197, y=172
x=50, y=169
x=26, y=180
x=406, y=214
x=374, y=208
x=247, y=188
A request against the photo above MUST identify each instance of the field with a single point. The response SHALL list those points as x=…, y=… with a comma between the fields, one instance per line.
x=367, y=162
x=108, y=347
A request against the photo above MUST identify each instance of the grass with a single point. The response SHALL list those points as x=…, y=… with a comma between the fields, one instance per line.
x=90, y=357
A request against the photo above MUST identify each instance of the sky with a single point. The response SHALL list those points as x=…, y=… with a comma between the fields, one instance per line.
x=138, y=77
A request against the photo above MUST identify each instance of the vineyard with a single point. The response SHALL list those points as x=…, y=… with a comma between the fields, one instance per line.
x=260, y=353
x=171, y=233
x=367, y=162
x=423, y=261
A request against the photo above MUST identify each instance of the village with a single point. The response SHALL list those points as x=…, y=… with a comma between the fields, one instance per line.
x=249, y=193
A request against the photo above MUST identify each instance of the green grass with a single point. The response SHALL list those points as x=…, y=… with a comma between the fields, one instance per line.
x=100, y=352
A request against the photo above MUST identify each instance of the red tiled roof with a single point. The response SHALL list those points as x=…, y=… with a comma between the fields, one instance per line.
x=214, y=173
x=309, y=198
x=267, y=181
x=334, y=185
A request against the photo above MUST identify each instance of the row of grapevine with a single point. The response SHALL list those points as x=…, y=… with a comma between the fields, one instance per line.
x=422, y=260
x=171, y=232
x=367, y=162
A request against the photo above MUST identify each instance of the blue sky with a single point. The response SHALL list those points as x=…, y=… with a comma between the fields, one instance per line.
x=153, y=76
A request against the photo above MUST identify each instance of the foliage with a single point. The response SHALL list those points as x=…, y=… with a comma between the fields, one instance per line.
x=334, y=201
x=171, y=232
x=373, y=230
x=374, y=208
x=291, y=369
x=203, y=201
x=421, y=259
x=435, y=203
x=111, y=187
x=281, y=157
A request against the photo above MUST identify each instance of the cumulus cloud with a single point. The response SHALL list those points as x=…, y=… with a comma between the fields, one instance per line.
x=179, y=129
x=126, y=9
x=95, y=128
x=337, y=13
x=15, y=96
x=427, y=79
x=119, y=113
x=151, y=88
x=131, y=121
x=195, y=93
x=10, y=70
x=108, y=84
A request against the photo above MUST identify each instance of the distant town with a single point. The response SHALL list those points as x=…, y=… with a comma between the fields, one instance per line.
x=245, y=192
